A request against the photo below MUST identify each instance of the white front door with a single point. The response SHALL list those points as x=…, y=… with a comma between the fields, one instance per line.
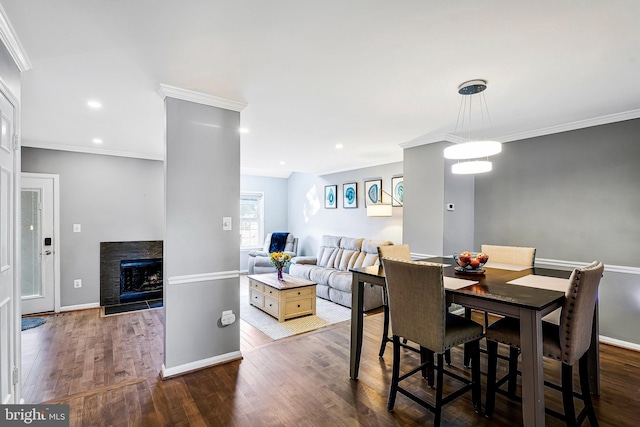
x=38, y=240
x=9, y=342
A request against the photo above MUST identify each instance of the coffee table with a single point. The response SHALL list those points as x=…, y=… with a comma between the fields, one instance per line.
x=291, y=297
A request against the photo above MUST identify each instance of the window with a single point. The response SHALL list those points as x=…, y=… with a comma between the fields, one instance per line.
x=251, y=220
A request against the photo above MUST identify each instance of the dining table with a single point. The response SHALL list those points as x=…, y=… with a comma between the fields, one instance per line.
x=524, y=293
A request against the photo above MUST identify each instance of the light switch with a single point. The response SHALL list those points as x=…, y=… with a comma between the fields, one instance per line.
x=77, y=228
x=451, y=207
x=226, y=223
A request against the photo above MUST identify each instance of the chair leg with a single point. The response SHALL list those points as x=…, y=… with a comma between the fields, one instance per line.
x=426, y=359
x=467, y=356
x=385, y=329
x=567, y=395
x=439, y=386
x=586, y=390
x=513, y=371
x=476, y=391
x=395, y=373
x=447, y=357
x=492, y=362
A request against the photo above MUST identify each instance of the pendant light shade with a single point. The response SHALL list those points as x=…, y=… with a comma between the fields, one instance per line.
x=473, y=148
x=470, y=167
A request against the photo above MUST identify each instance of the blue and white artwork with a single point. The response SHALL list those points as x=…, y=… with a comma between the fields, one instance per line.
x=350, y=193
x=330, y=196
x=397, y=188
x=373, y=192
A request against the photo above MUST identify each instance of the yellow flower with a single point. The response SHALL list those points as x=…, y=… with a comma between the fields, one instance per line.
x=280, y=259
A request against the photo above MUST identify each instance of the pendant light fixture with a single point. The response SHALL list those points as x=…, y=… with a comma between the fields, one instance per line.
x=473, y=155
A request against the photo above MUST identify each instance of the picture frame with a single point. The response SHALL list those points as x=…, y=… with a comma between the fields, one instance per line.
x=350, y=195
x=372, y=192
x=397, y=191
x=330, y=196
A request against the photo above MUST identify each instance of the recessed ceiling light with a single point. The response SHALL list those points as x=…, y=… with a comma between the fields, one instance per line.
x=282, y=163
x=243, y=130
x=97, y=140
x=339, y=146
x=94, y=104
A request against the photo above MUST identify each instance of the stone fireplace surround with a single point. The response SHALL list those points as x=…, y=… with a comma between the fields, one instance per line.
x=111, y=253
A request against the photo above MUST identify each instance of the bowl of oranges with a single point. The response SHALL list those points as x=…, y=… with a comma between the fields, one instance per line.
x=469, y=262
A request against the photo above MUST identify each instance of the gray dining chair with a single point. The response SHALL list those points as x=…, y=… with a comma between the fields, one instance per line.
x=418, y=309
x=396, y=252
x=567, y=342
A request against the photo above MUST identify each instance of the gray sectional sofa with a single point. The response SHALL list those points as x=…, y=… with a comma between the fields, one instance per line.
x=330, y=268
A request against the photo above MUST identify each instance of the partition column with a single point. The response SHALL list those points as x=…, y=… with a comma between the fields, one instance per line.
x=201, y=266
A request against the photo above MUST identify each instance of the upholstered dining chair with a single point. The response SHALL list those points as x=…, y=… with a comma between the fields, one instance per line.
x=513, y=255
x=516, y=256
x=418, y=309
x=396, y=252
x=567, y=342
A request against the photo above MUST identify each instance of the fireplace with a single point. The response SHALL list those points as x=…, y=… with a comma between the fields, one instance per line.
x=140, y=279
x=129, y=272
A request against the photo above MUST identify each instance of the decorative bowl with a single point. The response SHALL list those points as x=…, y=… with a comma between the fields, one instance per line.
x=470, y=262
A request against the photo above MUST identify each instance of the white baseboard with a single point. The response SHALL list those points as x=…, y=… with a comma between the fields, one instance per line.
x=619, y=343
x=199, y=364
x=80, y=306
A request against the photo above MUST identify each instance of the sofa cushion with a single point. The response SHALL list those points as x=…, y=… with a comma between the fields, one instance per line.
x=321, y=275
x=301, y=270
x=341, y=280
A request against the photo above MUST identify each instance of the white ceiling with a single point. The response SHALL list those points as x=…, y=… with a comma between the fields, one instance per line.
x=370, y=75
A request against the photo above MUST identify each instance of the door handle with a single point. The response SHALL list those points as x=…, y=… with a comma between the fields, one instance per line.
x=45, y=253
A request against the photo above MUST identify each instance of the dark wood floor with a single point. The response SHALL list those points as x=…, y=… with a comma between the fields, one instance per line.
x=107, y=369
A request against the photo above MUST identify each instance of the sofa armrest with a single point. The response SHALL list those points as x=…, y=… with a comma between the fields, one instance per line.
x=291, y=254
x=258, y=253
x=304, y=260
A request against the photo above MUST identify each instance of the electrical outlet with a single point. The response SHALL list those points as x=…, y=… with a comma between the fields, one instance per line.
x=77, y=283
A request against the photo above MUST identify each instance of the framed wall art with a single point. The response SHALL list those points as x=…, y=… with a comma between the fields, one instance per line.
x=350, y=195
x=397, y=191
x=372, y=192
x=331, y=196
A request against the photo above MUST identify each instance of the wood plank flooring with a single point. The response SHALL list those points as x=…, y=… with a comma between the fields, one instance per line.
x=106, y=369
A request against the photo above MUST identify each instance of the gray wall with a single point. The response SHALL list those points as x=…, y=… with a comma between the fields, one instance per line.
x=113, y=198
x=573, y=195
x=202, y=185
x=309, y=220
x=424, y=193
x=9, y=72
x=276, y=201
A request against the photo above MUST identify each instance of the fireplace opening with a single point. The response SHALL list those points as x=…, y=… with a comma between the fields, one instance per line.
x=140, y=279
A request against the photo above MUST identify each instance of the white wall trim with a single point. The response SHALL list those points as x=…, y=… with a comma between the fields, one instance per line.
x=204, y=277
x=89, y=150
x=619, y=343
x=574, y=264
x=199, y=364
x=200, y=98
x=11, y=42
x=580, y=124
x=415, y=255
x=80, y=306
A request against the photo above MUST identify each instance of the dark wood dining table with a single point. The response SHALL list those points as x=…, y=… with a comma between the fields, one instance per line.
x=492, y=293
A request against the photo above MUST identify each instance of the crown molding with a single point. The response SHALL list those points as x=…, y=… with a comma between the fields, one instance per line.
x=199, y=98
x=11, y=42
x=580, y=124
x=88, y=150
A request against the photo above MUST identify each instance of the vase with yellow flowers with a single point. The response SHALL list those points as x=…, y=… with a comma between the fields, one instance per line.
x=280, y=260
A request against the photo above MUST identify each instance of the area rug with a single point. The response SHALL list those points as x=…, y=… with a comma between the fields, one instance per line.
x=327, y=313
x=32, y=322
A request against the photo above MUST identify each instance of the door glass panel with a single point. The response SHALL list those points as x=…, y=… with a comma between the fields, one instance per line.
x=31, y=238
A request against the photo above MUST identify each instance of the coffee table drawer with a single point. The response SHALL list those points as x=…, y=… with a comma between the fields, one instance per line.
x=271, y=305
x=301, y=292
x=256, y=285
x=269, y=291
x=298, y=307
x=256, y=298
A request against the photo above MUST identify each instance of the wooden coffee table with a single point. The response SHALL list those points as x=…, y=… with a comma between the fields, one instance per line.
x=286, y=299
